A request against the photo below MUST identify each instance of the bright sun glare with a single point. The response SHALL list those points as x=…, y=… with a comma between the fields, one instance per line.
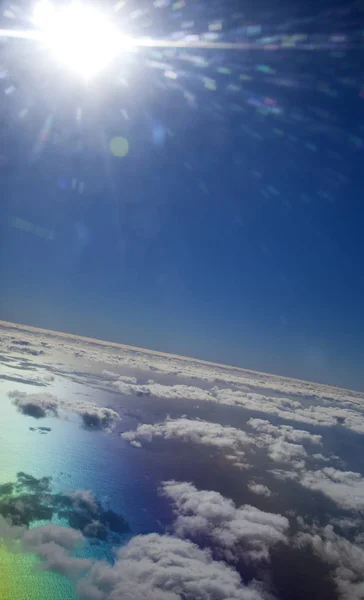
x=80, y=36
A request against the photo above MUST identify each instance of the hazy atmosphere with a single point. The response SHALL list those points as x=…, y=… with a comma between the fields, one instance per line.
x=181, y=307
x=204, y=200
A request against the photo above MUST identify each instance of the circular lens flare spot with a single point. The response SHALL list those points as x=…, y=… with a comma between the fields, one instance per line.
x=119, y=146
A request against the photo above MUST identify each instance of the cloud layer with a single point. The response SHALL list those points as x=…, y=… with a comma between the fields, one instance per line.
x=345, y=488
x=162, y=567
x=345, y=557
x=228, y=439
x=44, y=405
x=234, y=532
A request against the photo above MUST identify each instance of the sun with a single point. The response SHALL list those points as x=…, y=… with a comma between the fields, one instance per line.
x=80, y=36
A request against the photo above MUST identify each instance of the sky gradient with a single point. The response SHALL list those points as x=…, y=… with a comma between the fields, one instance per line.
x=230, y=232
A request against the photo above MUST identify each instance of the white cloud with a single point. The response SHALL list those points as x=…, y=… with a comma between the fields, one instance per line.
x=196, y=431
x=95, y=417
x=329, y=416
x=47, y=405
x=135, y=443
x=162, y=567
x=66, y=537
x=83, y=497
x=9, y=533
x=118, y=377
x=35, y=405
x=283, y=442
x=54, y=545
x=279, y=440
x=256, y=402
x=259, y=488
x=285, y=408
x=159, y=390
x=345, y=557
x=329, y=406
x=293, y=410
x=345, y=488
x=245, y=530
x=58, y=560
x=157, y=567
x=287, y=432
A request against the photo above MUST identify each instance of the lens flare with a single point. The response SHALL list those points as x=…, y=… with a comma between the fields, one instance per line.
x=80, y=37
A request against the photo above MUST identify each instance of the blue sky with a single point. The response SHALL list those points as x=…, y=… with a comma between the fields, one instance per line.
x=229, y=232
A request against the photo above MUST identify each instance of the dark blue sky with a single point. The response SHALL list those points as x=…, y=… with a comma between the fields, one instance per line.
x=232, y=230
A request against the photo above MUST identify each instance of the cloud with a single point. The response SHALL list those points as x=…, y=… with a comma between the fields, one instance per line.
x=37, y=406
x=285, y=408
x=288, y=399
x=345, y=488
x=54, y=545
x=83, y=498
x=43, y=405
x=346, y=558
x=56, y=559
x=233, y=531
x=9, y=533
x=159, y=390
x=283, y=442
x=196, y=431
x=66, y=537
x=260, y=489
x=157, y=567
x=30, y=500
x=117, y=376
x=287, y=432
x=162, y=567
x=96, y=529
x=95, y=417
x=293, y=410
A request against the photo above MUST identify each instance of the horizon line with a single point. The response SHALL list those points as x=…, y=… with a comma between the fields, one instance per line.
x=77, y=336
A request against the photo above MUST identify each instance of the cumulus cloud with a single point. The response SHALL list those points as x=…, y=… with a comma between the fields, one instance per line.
x=158, y=390
x=54, y=545
x=162, y=567
x=83, y=498
x=118, y=377
x=304, y=402
x=345, y=488
x=243, y=531
x=96, y=417
x=66, y=537
x=37, y=406
x=157, y=567
x=259, y=488
x=327, y=415
x=346, y=558
x=287, y=432
x=337, y=406
x=46, y=405
x=57, y=559
x=290, y=409
x=196, y=431
x=9, y=533
x=283, y=442
x=285, y=408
